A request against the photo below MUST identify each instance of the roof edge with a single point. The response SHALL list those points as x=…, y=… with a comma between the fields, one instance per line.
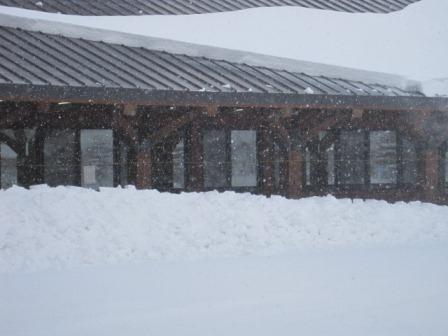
x=100, y=95
x=197, y=50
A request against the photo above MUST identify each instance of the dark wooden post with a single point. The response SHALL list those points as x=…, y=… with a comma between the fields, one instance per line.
x=295, y=172
x=144, y=165
x=431, y=174
x=194, y=164
x=267, y=161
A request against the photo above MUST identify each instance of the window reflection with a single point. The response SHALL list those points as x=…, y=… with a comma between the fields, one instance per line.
x=215, y=157
x=97, y=158
x=60, y=166
x=244, y=158
x=383, y=157
x=351, y=157
x=409, y=162
x=179, y=165
x=8, y=166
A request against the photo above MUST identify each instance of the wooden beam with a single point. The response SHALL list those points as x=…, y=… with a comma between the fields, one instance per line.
x=329, y=123
x=144, y=165
x=431, y=174
x=194, y=158
x=295, y=173
x=43, y=107
x=12, y=143
x=173, y=127
x=211, y=111
x=130, y=110
x=267, y=161
x=357, y=114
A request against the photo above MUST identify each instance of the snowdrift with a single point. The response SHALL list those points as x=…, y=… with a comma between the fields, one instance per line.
x=68, y=226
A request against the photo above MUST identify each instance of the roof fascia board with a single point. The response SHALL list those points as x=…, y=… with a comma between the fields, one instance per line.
x=14, y=92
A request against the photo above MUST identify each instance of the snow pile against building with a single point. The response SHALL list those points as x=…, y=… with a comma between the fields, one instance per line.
x=63, y=227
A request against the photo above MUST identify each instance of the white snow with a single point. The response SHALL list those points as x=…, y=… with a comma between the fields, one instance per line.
x=67, y=226
x=399, y=291
x=411, y=42
x=436, y=87
x=125, y=262
x=309, y=90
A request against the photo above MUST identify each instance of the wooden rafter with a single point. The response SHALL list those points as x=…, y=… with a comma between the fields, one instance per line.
x=166, y=131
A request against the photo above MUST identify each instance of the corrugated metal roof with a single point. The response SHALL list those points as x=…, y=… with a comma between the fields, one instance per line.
x=35, y=58
x=177, y=7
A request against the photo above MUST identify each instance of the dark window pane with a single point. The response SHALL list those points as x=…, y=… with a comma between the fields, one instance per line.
x=383, y=157
x=307, y=167
x=124, y=159
x=8, y=166
x=331, y=165
x=215, y=157
x=279, y=162
x=409, y=163
x=244, y=158
x=59, y=157
x=445, y=162
x=179, y=165
x=352, y=151
x=97, y=158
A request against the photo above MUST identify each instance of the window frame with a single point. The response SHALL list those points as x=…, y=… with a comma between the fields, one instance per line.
x=367, y=185
x=228, y=155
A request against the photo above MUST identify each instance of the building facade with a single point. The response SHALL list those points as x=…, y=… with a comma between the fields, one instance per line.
x=76, y=110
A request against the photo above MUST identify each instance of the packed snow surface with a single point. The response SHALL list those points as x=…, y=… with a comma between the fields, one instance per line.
x=68, y=226
x=394, y=291
x=126, y=262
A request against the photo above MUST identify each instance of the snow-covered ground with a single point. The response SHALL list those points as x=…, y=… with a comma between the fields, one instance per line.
x=399, y=291
x=68, y=226
x=125, y=262
x=412, y=42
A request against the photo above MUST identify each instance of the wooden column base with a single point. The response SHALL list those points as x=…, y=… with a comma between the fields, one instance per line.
x=143, y=180
x=295, y=186
x=431, y=174
x=195, y=168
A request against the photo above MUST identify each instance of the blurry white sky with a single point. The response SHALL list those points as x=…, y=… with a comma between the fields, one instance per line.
x=412, y=42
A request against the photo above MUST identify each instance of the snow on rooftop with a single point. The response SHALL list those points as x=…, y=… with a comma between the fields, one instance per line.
x=196, y=50
x=412, y=42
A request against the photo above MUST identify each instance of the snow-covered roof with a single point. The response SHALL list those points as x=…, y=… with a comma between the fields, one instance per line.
x=249, y=71
x=177, y=7
x=49, y=61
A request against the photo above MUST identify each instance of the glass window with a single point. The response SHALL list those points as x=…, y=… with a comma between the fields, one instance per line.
x=307, y=167
x=8, y=166
x=278, y=166
x=215, y=157
x=330, y=165
x=179, y=165
x=60, y=166
x=97, y=158
x=244, y=158
x=352, y=151
x=383, y=157
x=409, y=163
x=124, y=157
x=445, y=161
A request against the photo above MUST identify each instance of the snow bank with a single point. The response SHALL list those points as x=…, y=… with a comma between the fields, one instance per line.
x=67, y=226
